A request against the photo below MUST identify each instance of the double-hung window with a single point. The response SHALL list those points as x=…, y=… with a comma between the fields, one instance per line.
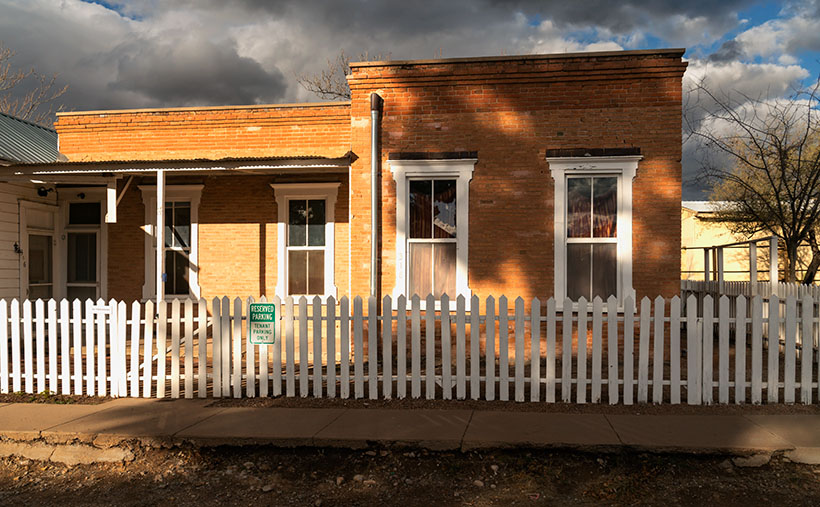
x=432, y=221
x=593, y=226
x=177, y=247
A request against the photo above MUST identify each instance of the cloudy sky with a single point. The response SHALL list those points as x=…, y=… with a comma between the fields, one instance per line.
x=148, y=53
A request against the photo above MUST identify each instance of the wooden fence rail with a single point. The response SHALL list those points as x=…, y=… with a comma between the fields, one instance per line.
x=659, y=351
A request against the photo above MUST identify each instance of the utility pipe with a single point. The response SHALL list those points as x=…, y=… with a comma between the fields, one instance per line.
x=376, y=103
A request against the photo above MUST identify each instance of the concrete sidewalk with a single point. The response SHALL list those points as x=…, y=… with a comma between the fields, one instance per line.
x=171, y=422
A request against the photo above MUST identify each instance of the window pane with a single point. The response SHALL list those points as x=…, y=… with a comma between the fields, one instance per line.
x=316, y=222
x=176, y=268
x=39, y=259
x=297, y=271
x=82, y=257
x=419, y=272
x=444, y=220
x=84, y=213
x=605, y=212
x=604, y=270
x=579, y=206
x=444, y=274
x=81, y=293
x=182, y=225
x=316, y=272
x=420, y=195
x=578, y=267
x=297, y=223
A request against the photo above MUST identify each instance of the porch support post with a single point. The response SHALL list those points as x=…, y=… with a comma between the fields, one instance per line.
x=773, y=262
x=111, y=202
x=753, y=266
x=160, y=231
x=719, y=266
x=706, y=274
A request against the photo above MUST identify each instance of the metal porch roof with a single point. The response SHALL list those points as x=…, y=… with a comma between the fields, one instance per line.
x=26, y=142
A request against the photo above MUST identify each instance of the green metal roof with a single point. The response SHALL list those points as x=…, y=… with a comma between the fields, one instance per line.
x=26, y=142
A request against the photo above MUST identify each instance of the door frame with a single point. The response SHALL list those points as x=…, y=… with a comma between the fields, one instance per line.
x=65, y=197
x=25, y=231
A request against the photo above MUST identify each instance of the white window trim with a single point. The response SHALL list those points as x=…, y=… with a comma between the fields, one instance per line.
x=625, y=168
x=462, y=171
x=284, y=193
x=191, y=193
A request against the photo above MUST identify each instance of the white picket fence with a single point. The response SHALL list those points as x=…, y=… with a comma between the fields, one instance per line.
x=661, y=351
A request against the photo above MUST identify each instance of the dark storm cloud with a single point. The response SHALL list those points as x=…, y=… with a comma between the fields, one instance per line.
x=195, y=71
x=730, y=50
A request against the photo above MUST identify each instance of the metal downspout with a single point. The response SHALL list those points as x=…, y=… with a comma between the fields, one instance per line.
x=376, y=103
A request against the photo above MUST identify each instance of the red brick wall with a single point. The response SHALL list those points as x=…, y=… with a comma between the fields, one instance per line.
x=510, y=112
x=209, y=133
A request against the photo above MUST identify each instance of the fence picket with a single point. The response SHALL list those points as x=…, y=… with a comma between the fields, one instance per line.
x=162, y=351
x=566, y=354
x=740, y=350
x=550, y=359
x=175, y=347
x=122, y=359
x=535, y=352
x=290, y=379
x=475, y=349
x=202, y=353
x=344, y=344
x=216, y=347
x=461, y=365
x=446, y=373
x=250, y=353
x=111, y=355
x=503, y=350
x=147, y=380
x=693, y=358
x=52, y=345
x=773, y=346
x=15, y=346
x=807, y=341
x=331, y=347
x=723, y=351
x=430, y=347
x=643, y=352
x=4, y=349
x=135, y=349
x=264, y=357
x=658, y=350
x=236, y=341
x=612, y=351
x=225, y=344
x=189, y=348
x=372, y=348
x=90, y=378
x=581, y=357
x=629, y=350
x=674, y=350
x=401, y=347
x=102, y=355
x=790, y=349
x=415, y=346
x=317, y=347
x=461, y=350
x=387, y=347
x=77, y=335
x=40, y=336
x=358, y=349
x=489, y=350
x=276, y=354
x=707, y=340
x=519, y=349
x=597, y=349
x=757, y=350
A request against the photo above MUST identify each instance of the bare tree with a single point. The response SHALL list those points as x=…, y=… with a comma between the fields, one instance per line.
x=25, y=93
x=331, y=83
x=761, y=156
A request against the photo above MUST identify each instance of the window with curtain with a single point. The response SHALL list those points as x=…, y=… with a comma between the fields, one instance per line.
x=592, y=236
x=431, y=238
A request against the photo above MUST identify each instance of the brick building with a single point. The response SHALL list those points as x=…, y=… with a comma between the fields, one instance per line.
x=534, y=175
